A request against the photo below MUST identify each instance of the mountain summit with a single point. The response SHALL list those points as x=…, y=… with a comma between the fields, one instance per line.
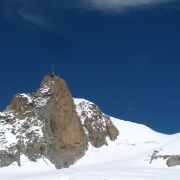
x=46, y=124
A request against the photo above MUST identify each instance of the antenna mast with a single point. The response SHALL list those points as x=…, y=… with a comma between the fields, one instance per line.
x=52, y=69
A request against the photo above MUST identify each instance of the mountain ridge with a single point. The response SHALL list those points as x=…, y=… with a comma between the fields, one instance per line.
x=50, y=129
x=45, y=124
x=114, y=161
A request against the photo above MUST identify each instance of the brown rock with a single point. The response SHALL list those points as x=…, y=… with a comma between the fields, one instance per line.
x=98, y=126
x=173, y=160
x=112, y=131
x=46, y=123
x=21, y=105
x=50, y=110
x=96, y=136
x=63, y=129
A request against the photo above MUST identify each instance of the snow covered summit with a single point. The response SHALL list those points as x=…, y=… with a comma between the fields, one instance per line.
x=49, y=129
x=45, y=125
x=138, y=153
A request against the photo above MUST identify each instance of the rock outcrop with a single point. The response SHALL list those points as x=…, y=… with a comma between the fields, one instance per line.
x=97, y=125
x=63, y=130
x=173, y=160
x=44, y=123
x=47, y=124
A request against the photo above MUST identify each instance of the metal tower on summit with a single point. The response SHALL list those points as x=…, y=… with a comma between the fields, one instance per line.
x=52, y=73
x=52, y=69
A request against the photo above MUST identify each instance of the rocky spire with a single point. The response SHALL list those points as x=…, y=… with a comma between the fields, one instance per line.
x=47, y=123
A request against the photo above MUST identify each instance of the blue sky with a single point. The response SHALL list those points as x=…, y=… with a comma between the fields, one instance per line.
x=117, y=54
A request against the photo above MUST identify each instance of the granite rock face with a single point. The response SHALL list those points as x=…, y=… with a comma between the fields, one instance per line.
x=63, y=130
x=51, y=124
x=44, y=123
x=97, y=125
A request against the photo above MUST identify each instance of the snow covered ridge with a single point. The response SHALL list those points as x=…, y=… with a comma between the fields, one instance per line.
x=21, y=126
x=39, y=125
x=13, y=128
x=132, y=137
x=97, y=125
x=127, y=158
x=26, y=138
x=88, y=109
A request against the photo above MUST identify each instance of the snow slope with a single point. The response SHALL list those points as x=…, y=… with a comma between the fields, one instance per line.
x=134, y=147
x=127, y=158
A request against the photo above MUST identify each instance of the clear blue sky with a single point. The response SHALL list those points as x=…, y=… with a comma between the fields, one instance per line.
x=117, y=54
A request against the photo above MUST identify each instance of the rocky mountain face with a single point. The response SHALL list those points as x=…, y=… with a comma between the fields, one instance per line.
x=97, y=125
x=47, y=124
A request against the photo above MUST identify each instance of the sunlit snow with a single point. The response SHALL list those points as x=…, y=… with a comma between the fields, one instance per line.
x=127, y=158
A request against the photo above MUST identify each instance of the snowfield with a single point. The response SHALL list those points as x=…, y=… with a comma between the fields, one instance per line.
x=127, y=158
